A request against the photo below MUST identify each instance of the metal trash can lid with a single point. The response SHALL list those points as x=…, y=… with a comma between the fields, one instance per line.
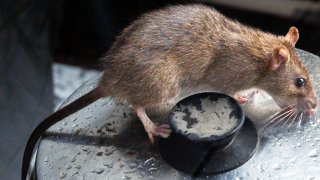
x=106, y=141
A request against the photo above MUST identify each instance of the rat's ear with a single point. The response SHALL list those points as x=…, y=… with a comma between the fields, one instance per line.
x=280, y=55
x=292, y=35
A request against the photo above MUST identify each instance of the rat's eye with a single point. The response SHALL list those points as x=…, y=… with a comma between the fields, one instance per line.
x=300, y=82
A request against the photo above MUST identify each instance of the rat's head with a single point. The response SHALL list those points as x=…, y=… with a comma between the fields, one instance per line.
x=286, y=79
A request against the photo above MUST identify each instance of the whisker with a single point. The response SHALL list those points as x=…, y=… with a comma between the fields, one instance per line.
x=300, y=119
x=288, y=119
x=294, y=119
x=279, y=112
x=279, y=116
x=271, y=120
x=278, y=121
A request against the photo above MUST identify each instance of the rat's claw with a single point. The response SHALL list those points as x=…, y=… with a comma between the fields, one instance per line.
x=164, y=130
x=165, y=126
x=150, y=134
x=163, y=135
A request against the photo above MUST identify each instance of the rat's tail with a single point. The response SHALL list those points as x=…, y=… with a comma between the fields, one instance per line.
x=71, y=108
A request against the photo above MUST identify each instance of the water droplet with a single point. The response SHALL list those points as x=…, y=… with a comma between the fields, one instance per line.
x=62, y=174
x=109, y=150
x=140, y=166
x=276, y=166
x=87, y=117
x=289, y=174
x=45, y=159
x=293, y=160
x=60, y=128
x=68, y=167
x=75, y=125
x=77, y=166
x=148, y=160
x=245, y=174
x=108, y=164
x=129, y=170
x=152, y=169
x=75, y=119
x=121, y=164
x=74, y=158
x=125, y=177
x=64, y=123
x=132, y=165
x=310, y=177
x=260, y=168
x=98, y=170
x=313, y=153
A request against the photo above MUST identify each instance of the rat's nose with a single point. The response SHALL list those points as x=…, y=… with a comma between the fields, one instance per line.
x=311, y=104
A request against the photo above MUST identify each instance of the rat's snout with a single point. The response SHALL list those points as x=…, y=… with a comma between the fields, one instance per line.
x=311, y=103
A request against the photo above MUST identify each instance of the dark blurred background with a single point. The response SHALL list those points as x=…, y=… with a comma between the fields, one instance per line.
x=88, y=28
x=35, y=34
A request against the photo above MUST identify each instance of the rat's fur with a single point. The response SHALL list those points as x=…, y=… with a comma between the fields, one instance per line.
x=185, y=47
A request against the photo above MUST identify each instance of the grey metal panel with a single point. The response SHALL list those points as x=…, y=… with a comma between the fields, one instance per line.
x=26, y=82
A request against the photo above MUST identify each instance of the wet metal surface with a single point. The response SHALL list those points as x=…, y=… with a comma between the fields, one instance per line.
x=107, y=141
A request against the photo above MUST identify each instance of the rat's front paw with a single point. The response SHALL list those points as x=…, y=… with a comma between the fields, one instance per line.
x=241, y=99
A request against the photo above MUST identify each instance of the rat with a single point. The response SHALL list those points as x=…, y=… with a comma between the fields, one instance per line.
x=181, y=50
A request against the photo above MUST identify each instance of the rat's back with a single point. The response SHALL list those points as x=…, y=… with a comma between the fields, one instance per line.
x=163, y=51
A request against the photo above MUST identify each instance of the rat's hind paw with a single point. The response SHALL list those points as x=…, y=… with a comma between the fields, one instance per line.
x=164, y=130
x=152, y=130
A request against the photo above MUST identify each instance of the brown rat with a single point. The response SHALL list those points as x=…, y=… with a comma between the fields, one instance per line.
x=180, y=50
x=186, y=47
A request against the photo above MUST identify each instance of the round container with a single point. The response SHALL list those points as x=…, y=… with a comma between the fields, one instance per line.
x=203, y=127
x=208, y=118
